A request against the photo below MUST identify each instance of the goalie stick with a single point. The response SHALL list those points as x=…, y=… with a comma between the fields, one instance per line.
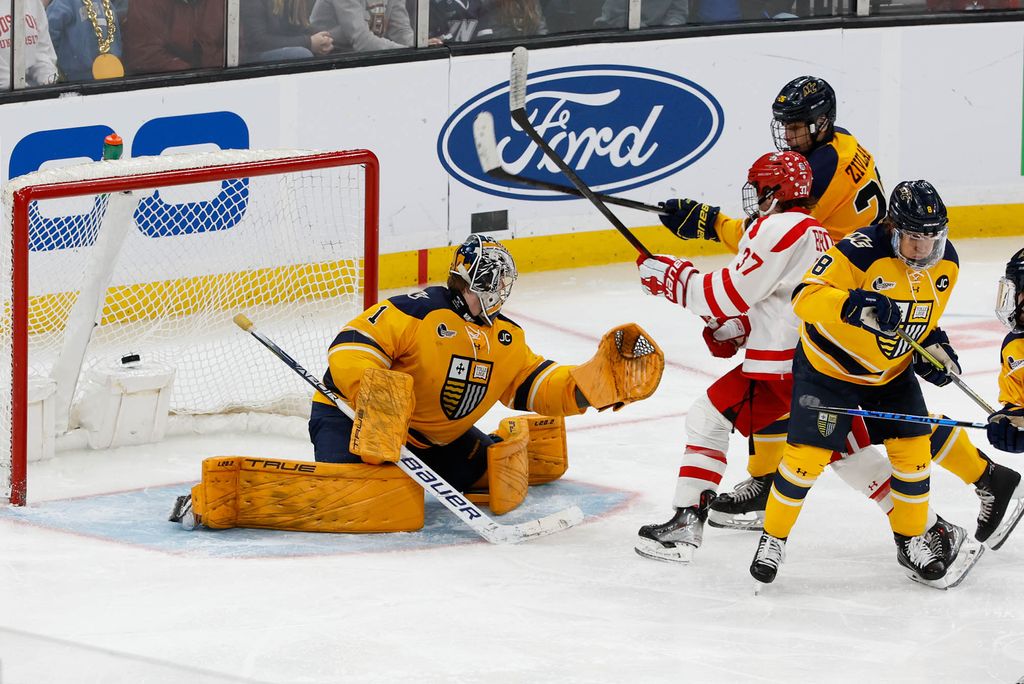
x=490, y=160
x=424, y=475
x=811, y=402
x=517, y=106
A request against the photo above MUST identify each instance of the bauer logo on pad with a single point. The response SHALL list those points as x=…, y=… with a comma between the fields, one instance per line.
x=618, y=127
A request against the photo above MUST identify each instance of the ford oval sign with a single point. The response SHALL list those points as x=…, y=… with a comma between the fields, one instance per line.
x=618, y=127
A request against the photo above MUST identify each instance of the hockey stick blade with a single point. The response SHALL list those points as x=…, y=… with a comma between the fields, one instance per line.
x=811, y=402
x=517, y=104
x=487, y=152
x=424, y=475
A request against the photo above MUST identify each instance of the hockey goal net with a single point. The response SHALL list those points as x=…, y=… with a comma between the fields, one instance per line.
x=153, y=256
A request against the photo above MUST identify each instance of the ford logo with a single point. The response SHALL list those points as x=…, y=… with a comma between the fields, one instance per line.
x=618, y=127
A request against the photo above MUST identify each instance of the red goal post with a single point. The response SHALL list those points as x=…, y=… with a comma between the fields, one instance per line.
x=290, y=237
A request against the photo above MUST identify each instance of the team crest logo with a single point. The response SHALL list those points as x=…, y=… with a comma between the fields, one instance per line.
x=858, y=239
x=826, y=423
x=505, y=337
x=881, y=284
x=444, y=332
x=465, y=386
x=942, y=284
x=915, y=318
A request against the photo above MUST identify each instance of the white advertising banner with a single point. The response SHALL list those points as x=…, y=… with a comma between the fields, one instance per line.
x=649, y=120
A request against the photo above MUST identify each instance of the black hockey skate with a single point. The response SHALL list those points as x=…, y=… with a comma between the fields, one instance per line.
x=743, y=507
x=676, y=540
x=1000, y=490
x=771, y=553
x=957, y=551
x=918, y=556
x=182, y=512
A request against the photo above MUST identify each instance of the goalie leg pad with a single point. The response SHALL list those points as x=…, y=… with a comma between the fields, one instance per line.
x=239, y=491
x=384, y=408
x=626, y=368
x=546, y=449
x=508, y=466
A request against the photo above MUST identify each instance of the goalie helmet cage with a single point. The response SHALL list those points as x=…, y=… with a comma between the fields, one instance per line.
x=155, y=255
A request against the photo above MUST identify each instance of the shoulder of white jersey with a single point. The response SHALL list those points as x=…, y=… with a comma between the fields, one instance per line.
x=781, y=231
x=420, y=303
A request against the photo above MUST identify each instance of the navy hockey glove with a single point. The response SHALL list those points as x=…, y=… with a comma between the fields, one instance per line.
x=937, y=344
x=690, y=220
x=1003, y=433
x=871, y=310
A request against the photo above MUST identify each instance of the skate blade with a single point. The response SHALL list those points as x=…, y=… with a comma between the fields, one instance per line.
x=648, y=548
x=753, y=522
x=970, y=553
x=1009, y=523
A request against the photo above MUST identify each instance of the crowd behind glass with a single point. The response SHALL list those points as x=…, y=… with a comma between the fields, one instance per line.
x=84, y=40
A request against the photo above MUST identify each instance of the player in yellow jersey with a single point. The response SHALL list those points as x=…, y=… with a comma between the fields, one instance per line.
x=462, y=356
x=849, y=195
x=896, y=275
x=1002, y=487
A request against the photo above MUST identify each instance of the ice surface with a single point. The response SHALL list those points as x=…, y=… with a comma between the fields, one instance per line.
x=94, y=587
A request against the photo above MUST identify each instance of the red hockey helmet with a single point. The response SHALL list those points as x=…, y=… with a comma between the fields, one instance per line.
x=779, y=176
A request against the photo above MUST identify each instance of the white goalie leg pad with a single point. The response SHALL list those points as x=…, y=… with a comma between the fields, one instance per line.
x=707, y=441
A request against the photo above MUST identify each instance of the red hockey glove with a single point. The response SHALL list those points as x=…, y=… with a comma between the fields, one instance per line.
x=724, y=337
x=665, y=276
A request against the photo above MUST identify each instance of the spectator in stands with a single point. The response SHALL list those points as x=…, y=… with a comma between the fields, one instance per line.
x=364, y=24
x=81, y=35
x=455, y=21
x=279, y=30
x=652, y=13
x=511, y=19
x=40, y=58
x=174, y=35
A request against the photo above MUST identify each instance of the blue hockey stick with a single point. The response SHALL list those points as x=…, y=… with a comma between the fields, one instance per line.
x=807, y=401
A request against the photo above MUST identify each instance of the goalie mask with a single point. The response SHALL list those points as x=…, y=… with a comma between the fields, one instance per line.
x=779, y=177
x=809, y=100
x=489, y=272
x=919, y=225
x=1008, y=297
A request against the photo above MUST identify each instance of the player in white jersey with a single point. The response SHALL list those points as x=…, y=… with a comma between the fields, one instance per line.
x=781, y=242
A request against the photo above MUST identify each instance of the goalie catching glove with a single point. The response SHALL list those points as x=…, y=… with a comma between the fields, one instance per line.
x=626, y=368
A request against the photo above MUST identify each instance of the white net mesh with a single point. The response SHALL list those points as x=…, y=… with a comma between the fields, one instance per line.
x=286, y=249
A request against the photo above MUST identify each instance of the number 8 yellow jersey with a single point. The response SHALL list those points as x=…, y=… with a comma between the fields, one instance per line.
x=865, y=260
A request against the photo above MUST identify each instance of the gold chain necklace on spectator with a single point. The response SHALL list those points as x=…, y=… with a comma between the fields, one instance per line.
x=105, y=65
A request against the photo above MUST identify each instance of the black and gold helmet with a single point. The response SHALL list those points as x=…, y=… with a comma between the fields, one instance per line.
x=488, y=270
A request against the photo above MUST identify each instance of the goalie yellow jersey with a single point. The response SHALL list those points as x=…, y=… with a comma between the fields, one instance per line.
x=1011, y=373
x=846, y=185
x=865, y=260
x=459, y=369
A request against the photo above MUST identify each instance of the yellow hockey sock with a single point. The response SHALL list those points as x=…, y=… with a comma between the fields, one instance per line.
x=952, y=449
x=910, y=484
x=800, y=467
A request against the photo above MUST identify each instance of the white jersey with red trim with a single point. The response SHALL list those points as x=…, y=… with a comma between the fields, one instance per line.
x=772, y=258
